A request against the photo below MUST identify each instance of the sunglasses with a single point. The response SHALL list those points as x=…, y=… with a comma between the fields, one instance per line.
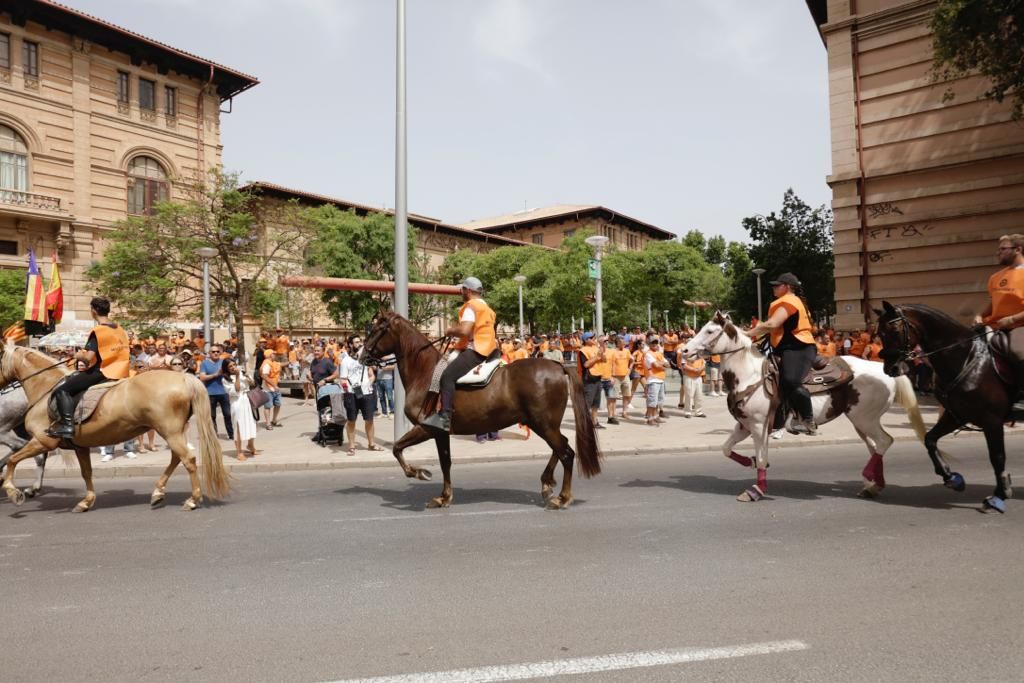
x=175, y=365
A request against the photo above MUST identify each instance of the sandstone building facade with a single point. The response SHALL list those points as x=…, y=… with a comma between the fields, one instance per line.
x=922, y=187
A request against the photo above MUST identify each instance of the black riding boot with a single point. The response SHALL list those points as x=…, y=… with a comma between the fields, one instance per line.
x=442, y=421
x=64, y=428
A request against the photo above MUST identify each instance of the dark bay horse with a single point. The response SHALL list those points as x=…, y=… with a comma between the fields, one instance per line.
x=966, y=384
x=532, y=392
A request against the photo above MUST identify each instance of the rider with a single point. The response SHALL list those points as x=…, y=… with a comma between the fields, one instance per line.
x=1005, y=311
x=107, y=357
x=476, y=340
x=791, y=339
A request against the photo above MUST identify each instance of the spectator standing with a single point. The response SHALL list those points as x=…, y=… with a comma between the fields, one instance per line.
x=607, y=387
x=357, y=383
x=621, y=361
x=161, y=359
x=590, y=360
x=873, y=351
x=637, y=374
x=384, y=388
x=271, y=372
x=260, y=356
x=211, y=373
x=244, y=423
x=655, y=366
x=693, y=373
x=714, y=374
x=518, y=352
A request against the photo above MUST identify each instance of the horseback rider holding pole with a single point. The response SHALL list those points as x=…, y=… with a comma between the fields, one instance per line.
x=106, y=355
x=476, y=342
x=791, y=339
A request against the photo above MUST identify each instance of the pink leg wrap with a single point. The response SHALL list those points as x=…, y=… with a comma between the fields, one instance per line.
x=741, y=459
x=762, y=480
x=874, y=470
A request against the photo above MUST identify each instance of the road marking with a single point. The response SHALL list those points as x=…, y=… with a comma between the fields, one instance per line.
x=16, y=536
x=474, y=513
x=586, y=665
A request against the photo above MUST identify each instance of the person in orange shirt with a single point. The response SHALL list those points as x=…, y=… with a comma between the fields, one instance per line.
x=638, y=374
x=669, y=344
x=507, y=348
x=591, y=360
x=693, y=377
x=620, y=360
x=281, y=345
x=518, y=352
x=858, y=342
x=826, y=347
x=1005, y=310
x=873, y=350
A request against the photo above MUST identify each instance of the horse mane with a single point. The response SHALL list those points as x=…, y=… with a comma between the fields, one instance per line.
x=410, y=335
x=946, y=321
x=31, y=355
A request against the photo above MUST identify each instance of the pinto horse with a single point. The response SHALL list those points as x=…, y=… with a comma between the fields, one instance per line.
x=532, y=392
x=160, y=400
x=863, y=400
x=966, y=385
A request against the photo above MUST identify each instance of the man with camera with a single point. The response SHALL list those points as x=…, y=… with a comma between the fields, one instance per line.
x=357, y=382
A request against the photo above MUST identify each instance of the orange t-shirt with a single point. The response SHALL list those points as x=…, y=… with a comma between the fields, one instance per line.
x=671, y=342
x=1007, y=291
x=858, y=343
x=518, y=354
x=281, y=345
x=619, y=359
x=874, y=351
x=694, y=367
x=827, y=350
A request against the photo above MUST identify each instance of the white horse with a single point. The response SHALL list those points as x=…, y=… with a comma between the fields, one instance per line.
x=13, y=406
x=863, y=400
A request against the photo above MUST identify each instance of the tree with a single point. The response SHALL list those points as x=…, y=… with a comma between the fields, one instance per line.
x=715, y=250
x=12, y=296
x=742, y=297
x=695, y=240
x=151, y=269
x=796, y=240
x=983, y=36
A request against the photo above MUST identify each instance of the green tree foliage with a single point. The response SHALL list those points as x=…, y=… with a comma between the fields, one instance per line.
x=151, y=270
x=347, y=245
x=716, y=250
x=695, y=240
x=12, y=296
x=982, y=36
x=798, y=239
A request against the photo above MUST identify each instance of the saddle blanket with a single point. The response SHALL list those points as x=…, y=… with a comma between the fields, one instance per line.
x=481, y=374
x=87, y=402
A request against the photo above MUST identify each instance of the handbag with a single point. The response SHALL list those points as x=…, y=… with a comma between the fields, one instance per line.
x=258, y=398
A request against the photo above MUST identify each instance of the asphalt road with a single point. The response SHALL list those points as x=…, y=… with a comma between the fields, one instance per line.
x=328, y=576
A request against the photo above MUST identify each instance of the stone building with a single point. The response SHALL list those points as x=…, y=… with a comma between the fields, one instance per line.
x=96, y=123
x=550, y=225
x=922, y=187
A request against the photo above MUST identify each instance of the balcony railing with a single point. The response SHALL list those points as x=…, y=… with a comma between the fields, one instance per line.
x=29, y=200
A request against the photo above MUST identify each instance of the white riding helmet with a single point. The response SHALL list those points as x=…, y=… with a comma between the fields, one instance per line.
x=472, y=284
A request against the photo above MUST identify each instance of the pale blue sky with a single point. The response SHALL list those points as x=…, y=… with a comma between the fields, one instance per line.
x=681, y=113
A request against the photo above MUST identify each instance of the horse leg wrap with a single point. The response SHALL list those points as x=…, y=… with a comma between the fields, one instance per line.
x=741, y=459
x=762, y=480
x=874, y=471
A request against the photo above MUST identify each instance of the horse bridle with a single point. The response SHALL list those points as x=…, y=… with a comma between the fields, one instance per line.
x=371, y=360
x=905, y=352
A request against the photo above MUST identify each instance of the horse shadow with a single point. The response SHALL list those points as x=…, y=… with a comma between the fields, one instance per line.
x=63, y=500
x=415, y=498
x=927, y=497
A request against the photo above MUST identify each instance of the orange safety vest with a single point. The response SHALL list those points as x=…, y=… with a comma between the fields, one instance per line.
x=115, y=357
x=793, y=304
x=484, y=341
x=694, y=368
x=671, y=342
x=281, y=345
x=657, y=373
x=518, y=354
x=600, y=369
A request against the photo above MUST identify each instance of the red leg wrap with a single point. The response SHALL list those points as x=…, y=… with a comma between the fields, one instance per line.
x=874, y=471
x=741, y=459
x=762, y=480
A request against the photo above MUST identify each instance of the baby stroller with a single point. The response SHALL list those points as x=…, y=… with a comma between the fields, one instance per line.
x=330, y=425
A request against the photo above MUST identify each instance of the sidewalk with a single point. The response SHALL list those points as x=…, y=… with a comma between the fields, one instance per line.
x=289, y=447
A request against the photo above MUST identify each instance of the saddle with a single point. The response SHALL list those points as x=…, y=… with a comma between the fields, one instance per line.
x=85, y=403
x=1007, y=365
x=825, y=375
x=481, y=374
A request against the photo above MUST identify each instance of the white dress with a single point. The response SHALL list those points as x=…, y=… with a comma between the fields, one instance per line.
x=241, y=408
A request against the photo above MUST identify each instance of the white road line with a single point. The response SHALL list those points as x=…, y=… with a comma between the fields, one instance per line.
x=16, y=536
x=472, y=513
x=586, y=665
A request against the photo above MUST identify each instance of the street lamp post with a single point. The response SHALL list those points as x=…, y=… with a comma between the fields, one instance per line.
x=519, y=280
x=758, y=272
x=665, y=313
x=598, y=242
x=206, y=253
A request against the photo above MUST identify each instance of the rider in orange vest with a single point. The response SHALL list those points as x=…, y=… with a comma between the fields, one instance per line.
x=477, y=342
x=107, y=357
x=789, y=323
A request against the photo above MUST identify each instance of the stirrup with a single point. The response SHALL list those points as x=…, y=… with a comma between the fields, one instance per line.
x=61, y=430
x=438, y=421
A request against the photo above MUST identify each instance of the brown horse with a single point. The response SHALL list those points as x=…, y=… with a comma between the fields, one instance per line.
x=532, y=392
x=163, y=401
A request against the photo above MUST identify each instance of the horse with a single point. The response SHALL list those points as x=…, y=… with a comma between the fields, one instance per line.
x=13, y=406
x=966, y=385
x=160, y=400
x=531, y=391
x=863, y=400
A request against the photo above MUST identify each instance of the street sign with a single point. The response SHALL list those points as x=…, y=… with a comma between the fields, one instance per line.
x=594, y=269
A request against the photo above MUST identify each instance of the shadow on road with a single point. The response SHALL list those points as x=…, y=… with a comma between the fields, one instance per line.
x=64, y=499
x=415, y=498
x=932, y=496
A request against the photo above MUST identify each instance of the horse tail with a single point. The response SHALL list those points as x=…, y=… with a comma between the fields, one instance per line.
x=586, y=436
x=216, y=479
x=906, y=397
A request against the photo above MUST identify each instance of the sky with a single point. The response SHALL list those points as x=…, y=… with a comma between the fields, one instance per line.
x=681, y=113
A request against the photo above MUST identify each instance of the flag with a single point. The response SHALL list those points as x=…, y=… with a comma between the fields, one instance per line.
x=55, y=294
x=35, y=300
x=15, y=332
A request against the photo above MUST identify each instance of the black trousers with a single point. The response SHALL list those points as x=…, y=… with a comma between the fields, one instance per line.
x=78, y=382
x=794, y=365
x=466, y=361
x=225, y=409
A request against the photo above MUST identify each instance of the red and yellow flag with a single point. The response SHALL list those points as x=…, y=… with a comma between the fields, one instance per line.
x=15, y=332
x=55, y=294
x=35, y=299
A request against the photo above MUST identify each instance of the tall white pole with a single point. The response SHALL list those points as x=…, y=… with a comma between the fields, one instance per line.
x=522, y=330
x=206, y=303
x=650, y=322
x=598, y=306
x=401, y=298
x=760, y=316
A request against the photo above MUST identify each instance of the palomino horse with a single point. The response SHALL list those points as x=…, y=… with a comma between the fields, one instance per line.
x=532, y=392
x=163, y=401
x=966, y=384
x=863, y=400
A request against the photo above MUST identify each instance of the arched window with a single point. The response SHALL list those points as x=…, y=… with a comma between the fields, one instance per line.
x=147, y=185
x=13, y=161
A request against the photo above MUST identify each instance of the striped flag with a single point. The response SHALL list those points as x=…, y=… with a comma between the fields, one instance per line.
x=55, y=294
x=15, y=332
x=35, y=299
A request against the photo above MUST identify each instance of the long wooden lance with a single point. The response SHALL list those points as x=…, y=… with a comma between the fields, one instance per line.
x=350, y=284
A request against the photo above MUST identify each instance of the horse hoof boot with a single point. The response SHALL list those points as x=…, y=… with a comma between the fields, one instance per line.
x=994, y=503
x=956, y=482
x=190, y=505
x=751, y=495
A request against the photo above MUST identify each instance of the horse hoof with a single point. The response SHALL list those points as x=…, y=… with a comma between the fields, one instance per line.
x=956, y=482
x=993, y=503
x=547, y=492
x=190, y=505
x=81, y=507
x=157, y=501
x=870, y=490
x=31, y=492
x=438, y=502
x=16, y=496
x=751, y=495
x=553, y=504
x=423, y=475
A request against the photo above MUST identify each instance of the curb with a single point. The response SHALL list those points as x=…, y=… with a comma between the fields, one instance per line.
x=156, y=470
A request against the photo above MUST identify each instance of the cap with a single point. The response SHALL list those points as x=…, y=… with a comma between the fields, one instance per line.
x=472, y=284
x=786, y=279
x=587, y=335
